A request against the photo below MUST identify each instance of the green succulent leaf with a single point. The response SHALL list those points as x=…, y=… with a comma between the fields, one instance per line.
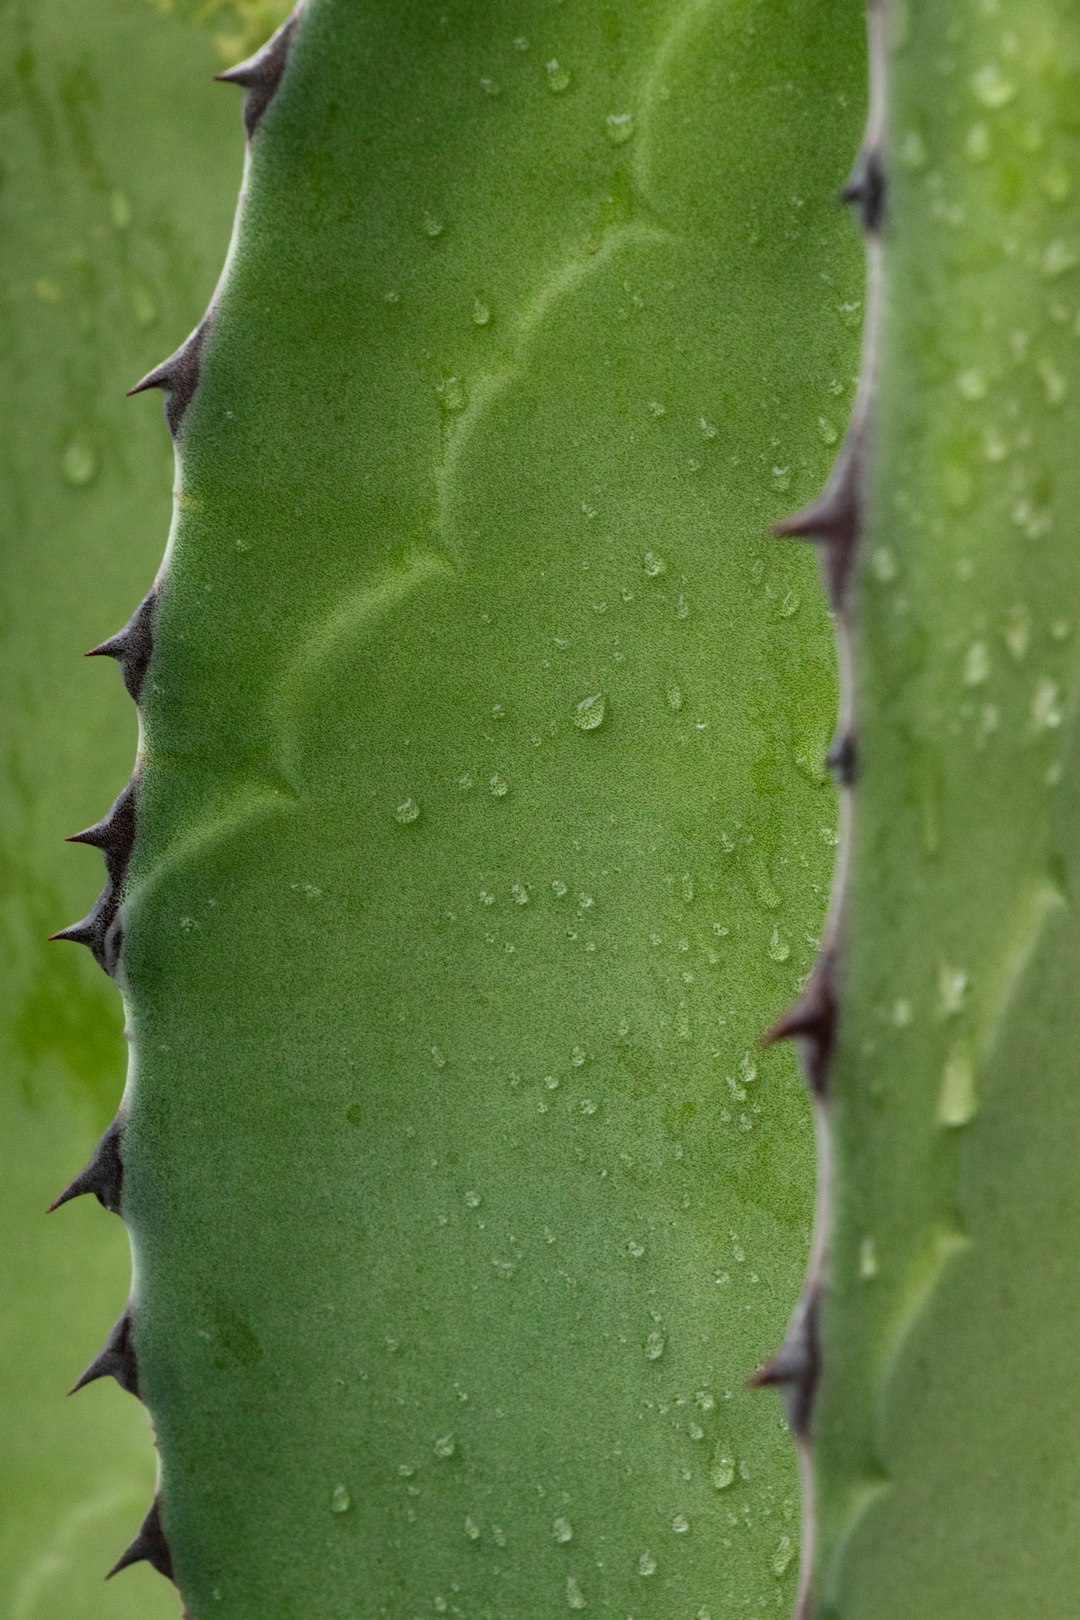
x=482, y=825
x=945, y=1451
x=119, y=171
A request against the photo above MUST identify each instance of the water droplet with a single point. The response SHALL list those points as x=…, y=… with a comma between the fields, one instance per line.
x=1046, y=705
x=779, y=948
x=977, y=145
x=1053, y=381
x=438, y=1057
x=472, y=1529
x=408, y=810
x=830, y=433
x=432, y=226
x=559, y=889
x=709, y=429
x=992, y=88
x=675, y=698
x=680, y=1524
x=783, y=1555
x=578, y=1057
x=120, y=209
x=558, y=77
x=575, y=1597
x=654, y=564
x=912, y=151
x=590, y=712
x=499, y=786
x=520, y=893
x=521, y=43
x=473, y=1199
x=655, y=1344
x=972, y=383
x=884, y=565
x=79, y=463
x=722, y=1471
x=481, y=313
x=1058, y=258
x=977, y=664
x=619, y=128
x=445, y=1446
x=635, y=1249
x=646, y=1564
x=340, y=1500
x=655, y=407
x=790, y=604
x=868, y=1266
x=957, y=1101
x=562, y=1529
x=453, y=396
x=952, y=989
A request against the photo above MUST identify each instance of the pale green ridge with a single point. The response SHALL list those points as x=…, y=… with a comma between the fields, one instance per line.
x=946, y=1423
x=483, y=825
x=120, y=166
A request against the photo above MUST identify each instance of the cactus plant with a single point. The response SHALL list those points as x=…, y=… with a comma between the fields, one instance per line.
x=478, y=827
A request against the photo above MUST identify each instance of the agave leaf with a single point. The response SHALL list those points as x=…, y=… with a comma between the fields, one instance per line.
x=482, y=826
x=120, y=166
x=949, y=1404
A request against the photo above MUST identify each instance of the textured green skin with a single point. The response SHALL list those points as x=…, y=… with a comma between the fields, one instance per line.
x=339, y=1045
x=947, y=1421
x=120, y=167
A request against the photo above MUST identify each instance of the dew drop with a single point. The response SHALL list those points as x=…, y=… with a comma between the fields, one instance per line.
x=783, y=1555
x=562, y=1529
x=829, y=432
x=646, y=1564
x=957, y=1099
x=445, y=1446
x=654, y=564
x=655, y=1344
x=722, y=1471
x=1046, y=705
x=972, y=383
x=779, y=948
x=481, y=312
x=590, y=712
x=453, y=396
x=340, y=1500
x=499, y=786
x=472, y=1529
x=992, y=88
x=432, y=227
x=680, y=1524
x=575, y=1597
x=619, y=128
x=868, y=1263
x=558, y=77
x=79, y=464
x=408, y=810
x=977, y=664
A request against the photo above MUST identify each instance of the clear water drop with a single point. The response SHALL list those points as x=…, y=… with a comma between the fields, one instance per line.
x=79, y=464
x=589, y=713
x=654, y=564
x=559, y=78
x=575, y=1597
x=646, y=1564
x=562, y=1529
x=445, y=1446
x=340, y=1500
x=407, y=811
x=722, y=1471
x=619, y=128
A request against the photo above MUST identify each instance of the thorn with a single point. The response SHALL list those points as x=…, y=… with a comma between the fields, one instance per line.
x=114, y=835
x=149, y=1546
x=132, y=645
x=115, y=1359
x=102, y=1175
x=260, y=75
x=832, y=519
x=87, y=931
x=793, y=1371
x=98, y=930
x=865, y=189
x=811, y=1019
x=178, y=376
x=842, y=759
